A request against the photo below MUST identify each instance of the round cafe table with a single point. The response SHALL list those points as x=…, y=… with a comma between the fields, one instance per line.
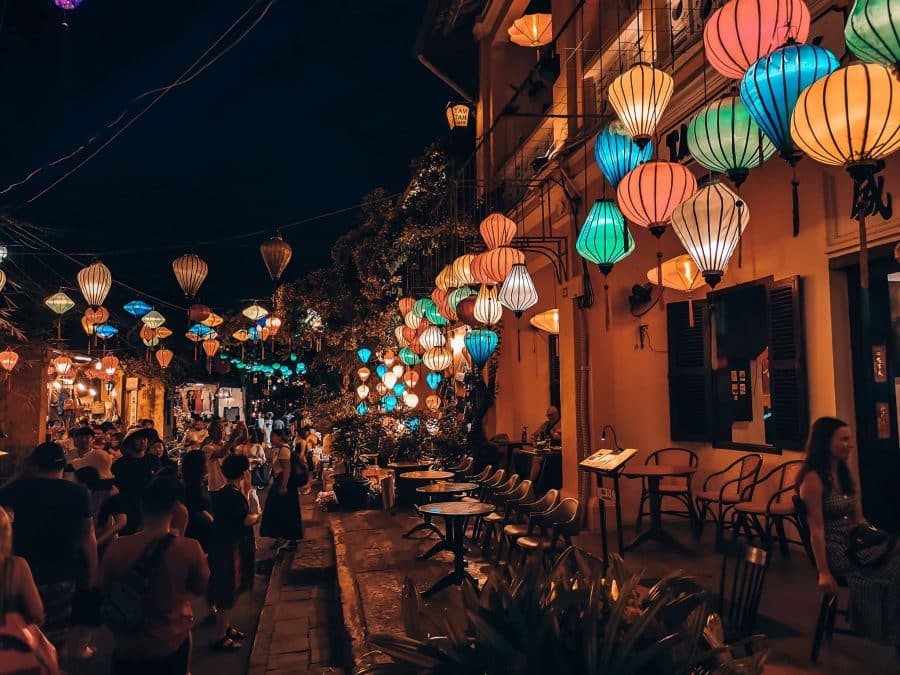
x=443, y=488
x=654, y=473
x=455, y=515
x=408, y=465
x=407, y=490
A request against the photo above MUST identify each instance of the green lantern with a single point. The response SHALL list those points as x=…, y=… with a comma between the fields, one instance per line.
x=434, y=316
x=873, y=32
x=458, y=295
x=604, y=238
x=421, y=307
x=723, y=137
x=408, y=356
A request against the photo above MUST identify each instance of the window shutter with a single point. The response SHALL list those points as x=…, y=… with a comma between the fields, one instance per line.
x=689, y=380
x=787, y=364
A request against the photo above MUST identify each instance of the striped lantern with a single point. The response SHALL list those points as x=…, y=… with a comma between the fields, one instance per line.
x=497, y=230
x=487, y=308
x=276, y=254
x=190, y=272
x=94, y=281
x=518, y=292
x=640, y=96
x=462, y=270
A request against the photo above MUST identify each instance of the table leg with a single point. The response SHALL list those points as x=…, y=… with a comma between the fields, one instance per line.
x=620, y=535
x=459, y=573
x=656, y=531
x=601, y=503
x=427, y=525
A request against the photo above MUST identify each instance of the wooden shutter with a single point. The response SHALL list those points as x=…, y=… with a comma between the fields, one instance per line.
x=787, y=364
x=689, y=381
x=553, y=344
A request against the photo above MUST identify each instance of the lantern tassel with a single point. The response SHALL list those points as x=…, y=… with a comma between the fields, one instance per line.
x=195, y=351
x=795, y=196
x=863, y=251
x=608, y=305
x=690, y=311
x=740, y=205
x=518, y=341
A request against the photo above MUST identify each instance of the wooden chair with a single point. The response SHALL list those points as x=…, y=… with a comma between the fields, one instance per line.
x=481, y=476
x=762, y=515
x=719, y=500
x=506, y=503
x=739, y=598
x=492, y=494
x=676, y=487
x=521, y=519
x=557, y=527
x=463, y=469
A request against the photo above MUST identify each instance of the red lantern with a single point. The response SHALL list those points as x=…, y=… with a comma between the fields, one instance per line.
x=648, y=194
x=148, y=333
x=199, y=313
x=409, y=334
x=417, y=347
x=466, y=312
x=109, y=363
x=96, y=316
x=406, y=305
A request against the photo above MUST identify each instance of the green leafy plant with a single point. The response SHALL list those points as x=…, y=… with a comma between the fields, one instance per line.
x=568, y=621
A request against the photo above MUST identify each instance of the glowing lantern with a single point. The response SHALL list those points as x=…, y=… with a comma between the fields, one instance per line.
x=400, y=337
x=364, y=354
x=421, y=307
x=273, y=323
x=200, y=330
x=458, y=342
x=276, y=254
x=406, y=305
x=198, y=313
x=193, y=337
x=389, y=402
x=487, y=309
x=434, y=316
x=497, y=230
x=153, y=319
x=411, y=320
x=616, y=154
x=743, y=31
x=535, y=27
x=411, y=400
x=363, y=373
x=431, y=338
x=679, y=274
x=399, y=370
x=388, y=357
x=399, y=389
x=147, y=333
x=481, y=343
x=648, y=195
x=97, y=315
x=409, y=334
x=152, y=342
x=2, y=279
x=408, y=356
x=493, y=266
x=389, y=379
x=411, y=379
x=87, y=325
x=210, y=347
x=723, y=137
x=362, y=391
x=457, y=115
x=441, y=300
x=105, y=331
x=872, y=32
x=433, y=402
x=137, y=308
x=94, y=281
x=639, y=96
x=462, y=270
x=8, y=359
x=709, y=225
x=456, y=296
x=518, y=292
x=62, y=364
x=362, y=409
x=433, y=380
x=445, y=280
x=241, y=335
x=162, y=332
x=466, y=311
x=851, y=118
x=547, y=321
x=381, y=388
x=190, y=272
x=109, y=363
x=60, y=303
x=255, y=312
x=164, y=357
x=67, y=5
x=381, y=370
x=438, y=358
x=213, y=320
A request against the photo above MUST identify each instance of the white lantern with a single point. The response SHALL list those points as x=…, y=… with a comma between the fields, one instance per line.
x=488, y=309
x=362, y=391
x=389, y=379
x=410, y=399
x=432, y=337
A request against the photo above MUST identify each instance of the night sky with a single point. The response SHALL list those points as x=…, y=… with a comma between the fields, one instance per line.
x=318, y=105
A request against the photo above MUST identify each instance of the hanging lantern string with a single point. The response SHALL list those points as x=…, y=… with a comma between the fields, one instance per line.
x=795, y=198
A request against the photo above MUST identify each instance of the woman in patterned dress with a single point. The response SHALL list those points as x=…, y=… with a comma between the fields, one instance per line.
x=830, y=492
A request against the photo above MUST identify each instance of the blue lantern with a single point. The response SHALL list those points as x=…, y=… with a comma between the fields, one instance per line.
x=381, y=370
x=399, y=388
x=433, y=379
x=409, y=357
x=137, y=308
x=434, y=316
x=362, y=408
x=105, y=331
x=616, y=154
x=364, y=354
x=481, y=343
x=412, y=423
x=254, y=333
x=771, y=86
x=200, y=330
x=389, y=402
x=300, y=368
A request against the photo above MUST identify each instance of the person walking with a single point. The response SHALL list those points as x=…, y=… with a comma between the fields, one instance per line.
x=231, y=551
x=215, y=451
x=133, y=472
x=162, y=643
x=281, y=517
x=18, y=592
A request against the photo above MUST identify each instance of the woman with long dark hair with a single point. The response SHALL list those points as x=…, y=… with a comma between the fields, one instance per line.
x=830, y=492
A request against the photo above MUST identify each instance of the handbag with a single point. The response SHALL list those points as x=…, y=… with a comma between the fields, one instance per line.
x=24, y=649
x=867, y=546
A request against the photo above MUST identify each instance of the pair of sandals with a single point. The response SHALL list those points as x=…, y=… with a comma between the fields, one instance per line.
x=231, y=642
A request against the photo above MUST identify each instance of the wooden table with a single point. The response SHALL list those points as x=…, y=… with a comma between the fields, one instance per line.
x=455, y=515
x=406, y=492
x=510, y=448
x=443, y=488
x=537, y=473
x=405, y=466
x=426, y=475
x=654, y=473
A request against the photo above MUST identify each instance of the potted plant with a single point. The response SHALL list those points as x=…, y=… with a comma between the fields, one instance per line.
x=352, y=435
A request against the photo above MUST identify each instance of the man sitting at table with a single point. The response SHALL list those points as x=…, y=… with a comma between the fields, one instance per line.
x=550, y=430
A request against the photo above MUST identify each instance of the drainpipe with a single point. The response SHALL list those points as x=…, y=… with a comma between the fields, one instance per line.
x=446, y=80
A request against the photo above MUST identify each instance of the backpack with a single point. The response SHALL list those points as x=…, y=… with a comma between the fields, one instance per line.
x=299, y=469
x=122, y=607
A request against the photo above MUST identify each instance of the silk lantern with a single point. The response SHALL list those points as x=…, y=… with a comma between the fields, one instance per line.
x=535, y=27
x=163, y=332
x=411, y=400
x=497, y=230
x=438, y=358
x=487, y=308
x=406, y=305
x=255, y=312
x=363, y=373
x=60, y=303
x=639, y=96
x=362, y=391
x=547, y=321
x=62, y=365
x=362, y=409
x=433, y=402
x=147, y=333
x=456, y=296
x=198, y=313
x=364, y=354
x=381, y=388
x=411, y=379
x=400, y=337
x=164, y=357
x=433, y=314
x=276, y=254
x=466, y=311
x=190, y=272
x=679, y=274
x=518, y=292
x=409, y=357
x=421, y=305
x=388, y=357
x=94, y=281
x=873, y=32
x=389, y=379
x=137, y=308
x=433, y=379
x=210, y=347
x=481, y=343
x=462, y=270
x=213, y=320
x=445, y=280
x=431, y=338
x=399, y=389
x=96, y=315
x=616, y=154
x=153, y=319
x=8, y=359
x=109, y=363
x=399, y=370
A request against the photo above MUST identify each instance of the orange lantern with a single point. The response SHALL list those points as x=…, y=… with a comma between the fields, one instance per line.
x=497, y=230
x=276, y=254
x=462, y=270
x=94, y=281
x=88, y=326
x=417, y=347
x=190, y=272
x=273, y=323
x=193, y=337
x=433, y=402
x=409, y=334
x=213, y=320
x=648, y=194
x=164, y=357
x=264, y=333
x=210, y=347
x=110, y=363
x=96, y=316
x=162, y=333
x=62, y=365
x=401, y=340
x=406, y=305
x=388, y=357
x=148, y=333
x=411, y=379
x=363, y=373
x=466, y=312
x=8, y=359
x=445, y=279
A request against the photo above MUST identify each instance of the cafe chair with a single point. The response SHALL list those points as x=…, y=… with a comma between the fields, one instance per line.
x=557, y=527
x=506, y=503
x=521, y=517
x=674, y=487
x=485, y=485
x=481, y=476
x=771, y=509
x=462, y=469
x=492, y=495
x=723, y=489
x=744, y=570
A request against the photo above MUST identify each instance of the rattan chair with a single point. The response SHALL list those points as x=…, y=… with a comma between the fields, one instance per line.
x=674, y=487
x=719, y=500
x=771, y=510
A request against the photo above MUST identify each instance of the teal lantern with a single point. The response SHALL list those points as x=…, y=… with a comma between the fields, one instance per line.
x=389, y=402
x=137, y=308
x=434, y=316
x=481, y=343
x=293, y=357
x=412, y=423
x=381, y=370
x=722, y=137
x=433, y=379
x=276, y=366
x=399, y=388
x=616, y=154
x=362, y=408
x=409, y=357
x=421, y=307
x=873, y=32
x=458, y=295
x=300, y=368
x=364, y=354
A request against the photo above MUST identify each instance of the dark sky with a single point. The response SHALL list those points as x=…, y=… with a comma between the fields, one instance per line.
x=320, y=103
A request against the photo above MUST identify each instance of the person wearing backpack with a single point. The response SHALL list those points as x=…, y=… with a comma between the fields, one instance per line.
x=147, y=580
x=281, y=518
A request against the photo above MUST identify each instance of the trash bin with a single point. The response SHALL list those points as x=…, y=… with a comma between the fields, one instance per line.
x=387, y=491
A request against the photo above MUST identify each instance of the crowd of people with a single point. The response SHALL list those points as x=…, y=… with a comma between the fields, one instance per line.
x=104, y=526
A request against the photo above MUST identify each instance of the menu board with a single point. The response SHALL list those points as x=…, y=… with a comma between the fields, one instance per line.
x=607, y=459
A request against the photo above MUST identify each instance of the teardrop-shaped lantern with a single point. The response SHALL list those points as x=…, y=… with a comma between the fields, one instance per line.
x=487, y=309
x=164, y=357
x=276, y=254
x=362, y=391
x=438, y=358
x=743, y=31
x=87, y=326
x=137, y=308
x=153, y=319
x=709, y=225
x=388, y=357
x=648, y=195
x=389, y=379
x=60, y=303
x=462, y=270
x=362, y=409
x=432, y=337
x=497, y=230
x=433, y=402
x=518, y=292
x=481, y=343
x=210, y=347
x=433, y=379
x=639, y=96
x=363, y=373
x=411, y=379
x=8, y=359
x=62, y=364
x=772, y=85
x=604, y=238
x=273, y=323
x=94, y=281
x=723, y=137
x=190, y=272
x=616, y=154
x=398, y=369
x=873, y=32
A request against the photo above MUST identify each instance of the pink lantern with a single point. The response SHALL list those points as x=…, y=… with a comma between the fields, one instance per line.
x=648, y=194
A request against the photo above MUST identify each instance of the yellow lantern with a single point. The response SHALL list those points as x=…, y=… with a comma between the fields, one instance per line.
x=363, y=373
x=488, y=309
x=62, y=364
x=2, y=279
x=60, y=303
x=433, y=402
x=535, y=27
x=362, y=391
x=210, y=347
x=462, y=270
x=457, y=115
x=8, y=359
x=190, y=272
x=193, y=337
x=445, y=279
x=153, y=319
x=255, y=312
x=639, y=96
x=547, y=321
x=95, y=281
x=438, y=359
x=679, y=274
x=212, y=320
x=164, y=357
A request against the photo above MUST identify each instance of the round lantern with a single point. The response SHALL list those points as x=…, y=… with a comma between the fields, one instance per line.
x=411, y=379
x=462, y=270
x=381, y=388
x=153, y=319
x=410, y=399
x=456, y=296
x=411, y=320
x=362, y=391
x=60, y=303
x=434, y=316
x=421, y=305
x=109, y=363
x=388, y=357
x=481, y=343
x=94, y=281
x=445, y=280
x=535, y=27
x=432, y=337
x=164, y=357
x=639, y=96
x=276, y=254
x=433, y=379
x=709, y=225
x=723, y=137
x=8, y=359
x=273, y=323
x=363, y=373
x=604, y=238
x=743, y=31
x=497, y=230
x=62, y=365
x=147, y=333
x=213, y=320
x=616, y=154
x=466, y=311
x=488, y=309
x=389, y=379
x=648, y=195
x=87, y=325
x=441, y=300
x=96, y=315
x=438, y=358
x=198, y=313
x=518, y=292
x=190, y=272
x=409, y=357
x=406, y=305
x=873, y=32
x=210, y=347
x=433, y=402
x=255, y=312
x=497, y=263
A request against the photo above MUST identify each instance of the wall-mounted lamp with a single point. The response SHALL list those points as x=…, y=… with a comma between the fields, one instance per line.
x=457, y=115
